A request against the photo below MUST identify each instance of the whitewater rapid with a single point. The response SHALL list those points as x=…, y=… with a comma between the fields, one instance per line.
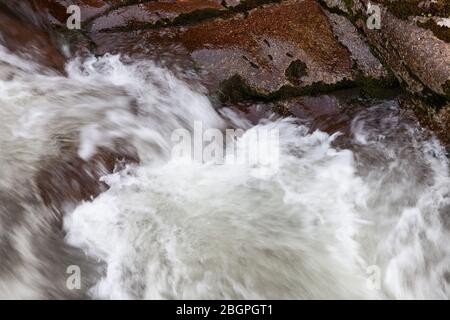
x=171, y=228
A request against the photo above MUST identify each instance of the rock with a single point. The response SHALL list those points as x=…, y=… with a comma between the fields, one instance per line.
x=23, y=39
x=337, y=4
x=437, y=120
x=286, y=46
x=68, y=179
x=348, y=35
x=264, y=47
x=418, y=57
x=54, y=12
x=156, y=13
x=253, y=47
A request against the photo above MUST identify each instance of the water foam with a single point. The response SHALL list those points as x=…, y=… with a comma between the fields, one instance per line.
x=169, y=228
x=310, y=230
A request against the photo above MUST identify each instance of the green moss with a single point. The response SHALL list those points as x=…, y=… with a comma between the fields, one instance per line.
x=236, y=89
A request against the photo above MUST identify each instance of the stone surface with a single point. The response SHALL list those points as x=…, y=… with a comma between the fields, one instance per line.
x=23, y=39
x=438, y=120
x=339, y=4
x=151, y=13
x=261, y=47
x=265, y=47
x=348, y=35
x=54, y=12
x=68, y=179
x=418, y=57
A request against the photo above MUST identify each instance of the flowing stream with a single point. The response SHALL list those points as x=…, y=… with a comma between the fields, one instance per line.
x=355, y=213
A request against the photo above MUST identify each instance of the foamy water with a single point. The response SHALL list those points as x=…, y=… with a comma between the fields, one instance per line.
x=171, y=228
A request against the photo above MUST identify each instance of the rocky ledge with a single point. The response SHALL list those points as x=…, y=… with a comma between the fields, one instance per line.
x=273, y=49
x=413, y=40
x=256, y=48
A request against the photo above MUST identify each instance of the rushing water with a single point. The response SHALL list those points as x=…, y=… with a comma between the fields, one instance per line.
x=339, y=210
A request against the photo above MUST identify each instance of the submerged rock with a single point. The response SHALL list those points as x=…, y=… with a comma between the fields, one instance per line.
x=68, y=179
x=23, y=39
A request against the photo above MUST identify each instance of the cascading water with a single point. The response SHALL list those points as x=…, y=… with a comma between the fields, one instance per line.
x=337, y=206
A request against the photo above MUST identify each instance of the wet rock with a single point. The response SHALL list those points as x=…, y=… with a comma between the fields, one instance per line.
x=323, y=112
x=406, y=9
x=54, y=12
x=22, y=38
x=417, y=56
x=269, y=47
x=435, y=119
x=157, y=13
x=263, y=48
x=348, y=35
x=339, y=4
x=68, y=179
x=330, y=113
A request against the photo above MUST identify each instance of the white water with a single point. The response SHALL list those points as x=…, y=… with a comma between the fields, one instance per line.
x=171, y=229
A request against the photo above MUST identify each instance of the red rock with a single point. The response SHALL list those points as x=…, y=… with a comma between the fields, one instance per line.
x=23, y=39
x=261, y=48
x=68, y=179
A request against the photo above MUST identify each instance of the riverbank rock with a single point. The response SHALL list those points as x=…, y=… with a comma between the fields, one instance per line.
x=287, y=48
x=158, y=13
x=435, y=119
x=413, y=41
x=258, y=48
